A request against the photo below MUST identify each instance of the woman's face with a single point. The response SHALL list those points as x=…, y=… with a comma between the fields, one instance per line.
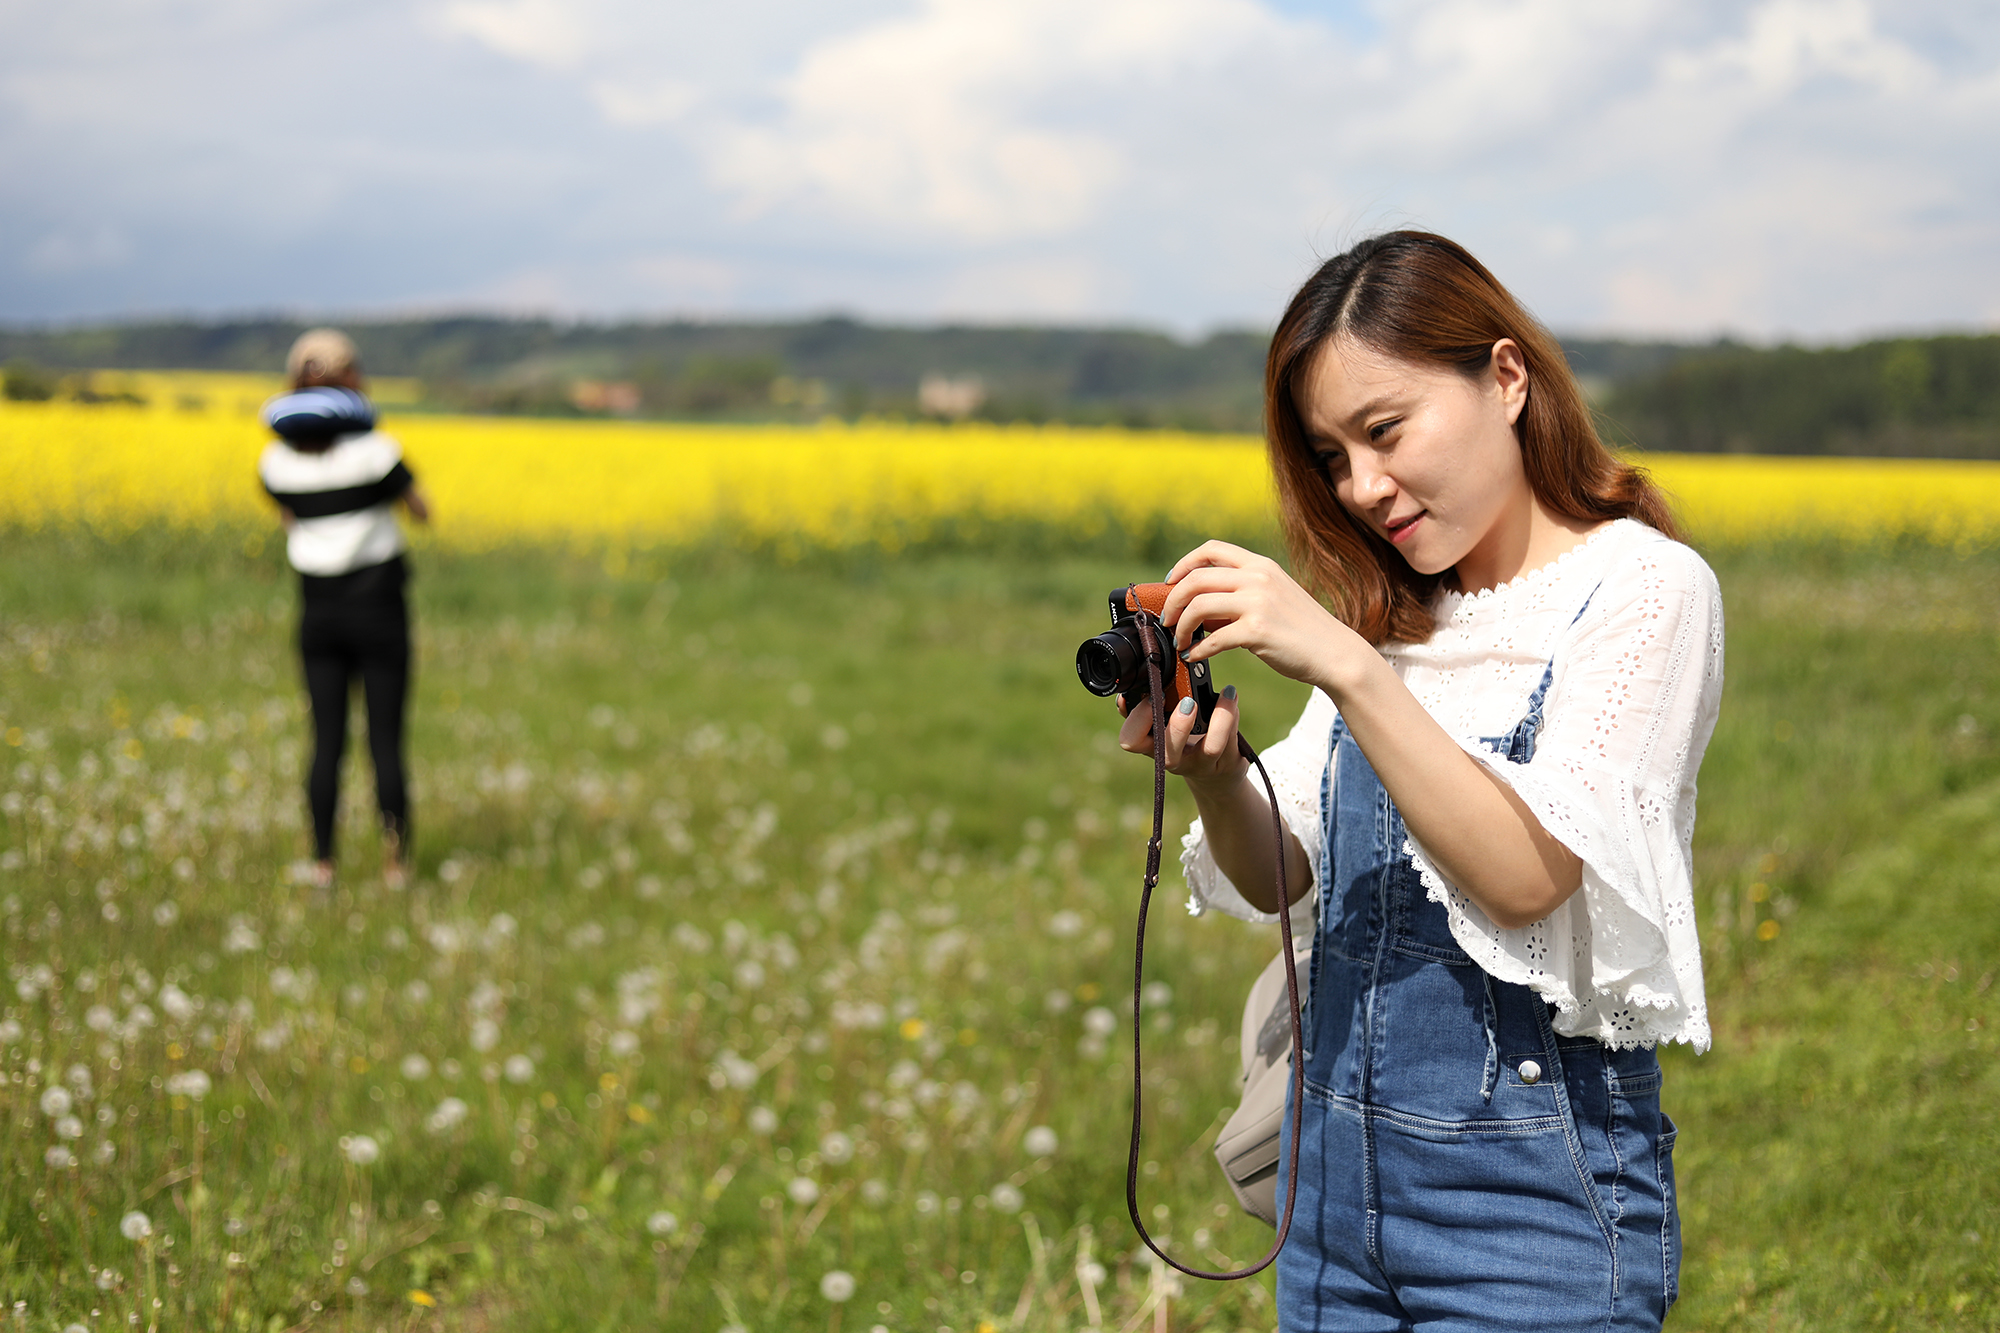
x=1424, y=455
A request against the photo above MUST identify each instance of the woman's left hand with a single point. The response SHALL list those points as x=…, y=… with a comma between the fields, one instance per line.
x=1248, y=601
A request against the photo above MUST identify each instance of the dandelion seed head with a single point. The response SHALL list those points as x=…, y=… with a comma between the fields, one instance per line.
x=135, y=1225
x=415, y=1067
x=1039, y=1141
x=193, y=1083
x=55, y=1101
x=485, y=1035
x=105, y=1153
x=736, y=1072
x=662, y=1223
x=836, y=1148
x=360, y=1149
x=803, y=1191
x=59, y=1158
x=623, y=1044
x=837, y=1286
x=449, y=1115
x=763, y=1120
x=874, y=1193
x=518, y=1069
x=1006, y=1198
x=1099, y=1021
x=69, y=1127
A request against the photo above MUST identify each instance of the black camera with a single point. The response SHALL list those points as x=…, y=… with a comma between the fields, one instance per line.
x=1115, y=661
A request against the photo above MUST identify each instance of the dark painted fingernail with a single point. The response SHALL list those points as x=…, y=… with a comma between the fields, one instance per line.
x=1187, y=705
x=1229, y=691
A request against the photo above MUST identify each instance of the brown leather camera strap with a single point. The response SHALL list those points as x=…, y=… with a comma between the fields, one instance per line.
x=1156, y=650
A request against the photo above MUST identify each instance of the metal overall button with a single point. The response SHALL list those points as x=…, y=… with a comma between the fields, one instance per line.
x=1531, y=1072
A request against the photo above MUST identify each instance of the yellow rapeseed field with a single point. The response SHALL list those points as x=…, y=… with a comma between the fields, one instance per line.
x=795, y=489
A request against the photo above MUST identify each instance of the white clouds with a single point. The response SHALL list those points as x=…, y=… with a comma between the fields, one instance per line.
x=1811, y=166
x=546, y=33
x=929, y=123
x=1787, y=42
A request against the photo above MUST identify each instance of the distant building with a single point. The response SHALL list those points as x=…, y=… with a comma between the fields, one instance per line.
x=618, y=397
x=943, y=396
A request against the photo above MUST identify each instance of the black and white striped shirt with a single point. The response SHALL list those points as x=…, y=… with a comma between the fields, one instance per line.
x=342, y=493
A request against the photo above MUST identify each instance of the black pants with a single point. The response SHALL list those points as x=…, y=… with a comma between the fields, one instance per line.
x=357, y=625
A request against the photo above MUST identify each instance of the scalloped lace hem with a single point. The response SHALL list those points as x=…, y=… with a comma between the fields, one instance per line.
x=1693, y=1029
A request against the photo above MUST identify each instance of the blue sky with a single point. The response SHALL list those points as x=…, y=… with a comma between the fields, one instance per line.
x=1772, y=168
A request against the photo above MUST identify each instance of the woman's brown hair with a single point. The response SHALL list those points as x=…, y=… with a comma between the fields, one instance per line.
x=1422, y=298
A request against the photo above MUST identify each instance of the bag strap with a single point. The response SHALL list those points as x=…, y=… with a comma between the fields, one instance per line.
x=1150, y=633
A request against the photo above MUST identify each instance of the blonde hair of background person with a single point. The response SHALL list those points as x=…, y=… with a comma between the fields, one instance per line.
x=1488, y=801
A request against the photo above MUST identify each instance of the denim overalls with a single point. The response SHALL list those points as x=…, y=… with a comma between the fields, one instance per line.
x=1461, y=1166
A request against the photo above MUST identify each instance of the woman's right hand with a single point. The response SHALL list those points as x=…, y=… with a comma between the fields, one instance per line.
x=1210, y=762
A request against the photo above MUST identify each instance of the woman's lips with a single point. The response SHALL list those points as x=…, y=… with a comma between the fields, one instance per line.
x=1400, y=532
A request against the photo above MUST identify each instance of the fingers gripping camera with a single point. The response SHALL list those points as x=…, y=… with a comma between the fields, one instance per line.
x=1115, y=661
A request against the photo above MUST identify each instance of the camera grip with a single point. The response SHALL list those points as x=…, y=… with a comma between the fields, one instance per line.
x=1189, y=680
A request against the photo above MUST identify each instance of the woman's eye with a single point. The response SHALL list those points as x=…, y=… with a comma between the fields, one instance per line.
x=1381, y=428
x=1333, y=464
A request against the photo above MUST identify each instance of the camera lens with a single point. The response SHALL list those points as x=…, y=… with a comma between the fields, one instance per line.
x=1106, y=661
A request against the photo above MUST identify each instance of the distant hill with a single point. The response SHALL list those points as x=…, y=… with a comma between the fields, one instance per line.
x=1914, y=396
x=733, y=371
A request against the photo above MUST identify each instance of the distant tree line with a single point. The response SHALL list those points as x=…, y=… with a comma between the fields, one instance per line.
x=1936, y=396
x=1932, y=397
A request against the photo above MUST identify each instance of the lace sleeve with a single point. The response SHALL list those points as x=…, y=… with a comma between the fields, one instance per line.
x=1296, y=765
x=1633, y=702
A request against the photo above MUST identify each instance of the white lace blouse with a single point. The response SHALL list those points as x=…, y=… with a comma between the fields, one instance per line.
x=1629, y=712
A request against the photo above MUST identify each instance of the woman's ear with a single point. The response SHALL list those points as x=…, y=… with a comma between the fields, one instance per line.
x=1510, y=377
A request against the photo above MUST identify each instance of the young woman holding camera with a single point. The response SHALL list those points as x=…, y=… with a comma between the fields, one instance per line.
x=1489, y=803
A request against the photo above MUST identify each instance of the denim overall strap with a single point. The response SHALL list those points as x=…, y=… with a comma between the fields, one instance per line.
x=1518, y=745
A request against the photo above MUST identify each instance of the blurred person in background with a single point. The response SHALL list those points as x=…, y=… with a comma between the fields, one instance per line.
x=336, y=481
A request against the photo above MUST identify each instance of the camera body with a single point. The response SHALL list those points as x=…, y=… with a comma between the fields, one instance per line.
x=1115, y=661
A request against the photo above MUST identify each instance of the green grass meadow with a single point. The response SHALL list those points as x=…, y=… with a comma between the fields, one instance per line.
x=773, y=924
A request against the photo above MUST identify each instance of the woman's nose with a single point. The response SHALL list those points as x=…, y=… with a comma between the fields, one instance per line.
x=1369, y=480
